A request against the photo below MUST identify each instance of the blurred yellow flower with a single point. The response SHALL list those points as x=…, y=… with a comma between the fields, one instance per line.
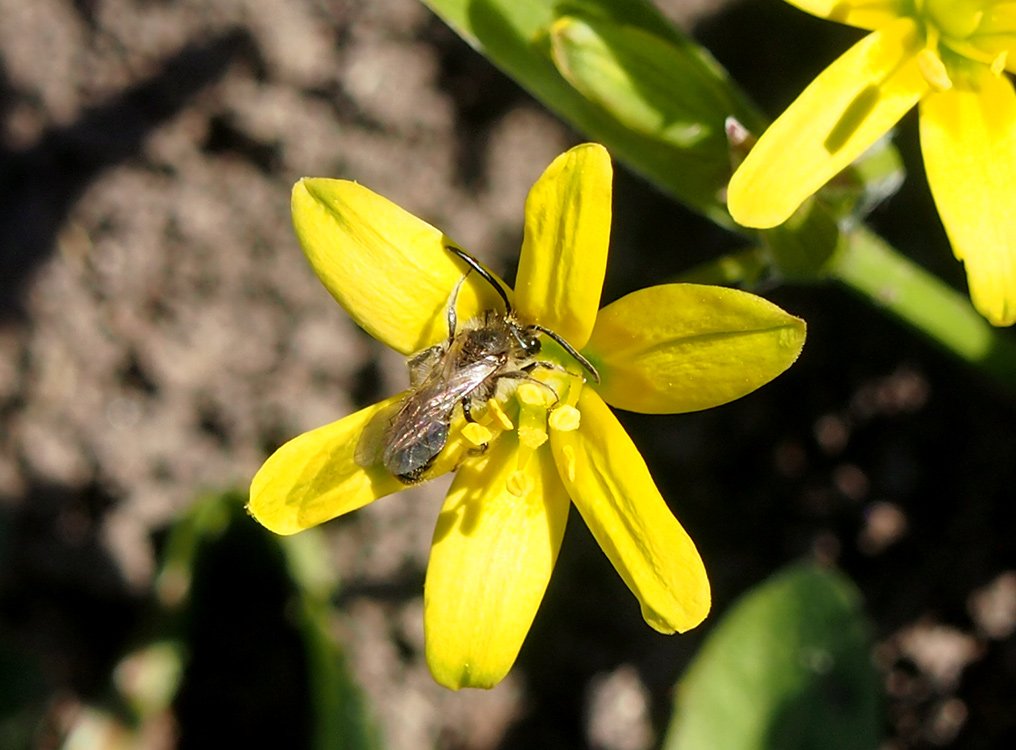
x=669, y=348
x=949, y=55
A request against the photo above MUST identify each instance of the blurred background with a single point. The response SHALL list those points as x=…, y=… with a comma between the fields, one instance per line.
x=161, y=333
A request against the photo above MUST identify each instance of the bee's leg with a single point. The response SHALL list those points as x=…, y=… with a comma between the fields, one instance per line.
x=545, y=365
x=467, y=409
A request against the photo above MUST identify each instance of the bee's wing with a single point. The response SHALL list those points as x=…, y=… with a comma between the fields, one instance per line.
x=423, y=365
x=424, y=372
x=409, y=454
x=370, y=447
x=419, y=431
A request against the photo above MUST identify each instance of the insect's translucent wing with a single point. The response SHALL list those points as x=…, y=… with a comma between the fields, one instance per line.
x=419, y=430
x=370, y=446
x=423, y=365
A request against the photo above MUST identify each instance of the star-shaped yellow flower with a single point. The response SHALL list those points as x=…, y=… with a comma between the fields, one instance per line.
x=670, y=348
x=949, y=55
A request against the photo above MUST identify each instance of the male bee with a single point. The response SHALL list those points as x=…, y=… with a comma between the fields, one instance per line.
x=463, y=370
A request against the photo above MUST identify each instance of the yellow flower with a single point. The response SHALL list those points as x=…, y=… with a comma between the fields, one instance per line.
x=551, y=441
x=949, y=55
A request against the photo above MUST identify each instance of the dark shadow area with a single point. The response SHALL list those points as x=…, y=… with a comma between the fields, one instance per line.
x=62, y=597
x=760, y=45
x=245, y=681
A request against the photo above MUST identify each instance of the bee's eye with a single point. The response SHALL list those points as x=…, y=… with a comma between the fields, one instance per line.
x=533, y=345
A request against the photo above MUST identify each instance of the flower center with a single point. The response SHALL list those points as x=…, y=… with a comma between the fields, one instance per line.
x=542, y=404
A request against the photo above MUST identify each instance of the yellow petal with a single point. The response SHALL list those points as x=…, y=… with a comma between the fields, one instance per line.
x=315, y=476
x=845, y=110
x=867, y=14
x=610, y=485
x=968, y=139
x=564, y=252
x=387, y=268
x=494, y=548
x=683, y=347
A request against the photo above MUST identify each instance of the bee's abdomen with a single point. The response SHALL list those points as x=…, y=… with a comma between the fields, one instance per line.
x=408, y=455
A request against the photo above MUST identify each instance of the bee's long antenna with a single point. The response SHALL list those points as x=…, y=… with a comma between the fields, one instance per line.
x=570, y=349
x=487, y=276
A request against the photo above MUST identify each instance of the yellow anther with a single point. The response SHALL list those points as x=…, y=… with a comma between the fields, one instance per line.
x=565, y=418
x=531, y=394
x=933, y=69
x=496, y=414
x=476, y=434
x=998, y=63
x=532, y=437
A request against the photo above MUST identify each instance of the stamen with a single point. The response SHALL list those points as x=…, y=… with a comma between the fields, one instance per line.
x=933, y=69
x=532, y=436
x=565, y=418
x=998, y=64
x=476, y=433
x=533, y=402
x=497, y=414
x=530, y=394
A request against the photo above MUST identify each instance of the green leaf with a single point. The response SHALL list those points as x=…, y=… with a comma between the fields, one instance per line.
x=517, y=36
x=620, y=72
x=663, y=89
x=788, y=668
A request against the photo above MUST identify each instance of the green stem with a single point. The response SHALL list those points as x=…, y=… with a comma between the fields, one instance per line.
x=873, y=269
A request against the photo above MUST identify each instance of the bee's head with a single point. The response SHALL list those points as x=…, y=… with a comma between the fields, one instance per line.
x=529, y=339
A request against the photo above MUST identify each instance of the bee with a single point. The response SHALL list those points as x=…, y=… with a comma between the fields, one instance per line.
x=463, y=370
